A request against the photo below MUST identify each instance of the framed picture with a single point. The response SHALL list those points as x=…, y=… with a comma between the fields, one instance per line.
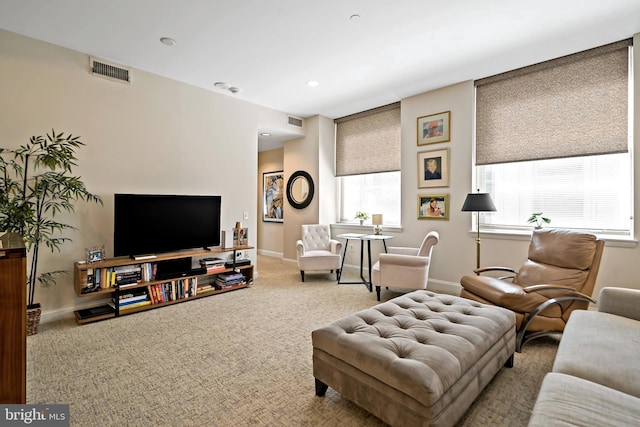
x=240, y=236
x=94, y=254
x=434, y=128
x=433, y=168
x=273, y=196
x=433, y=206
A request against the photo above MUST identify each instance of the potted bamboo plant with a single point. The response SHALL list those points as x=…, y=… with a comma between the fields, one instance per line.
x=37, y=184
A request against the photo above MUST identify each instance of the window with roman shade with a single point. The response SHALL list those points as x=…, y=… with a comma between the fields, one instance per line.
x=368, y=163
x=554, y=138
x=368, y=142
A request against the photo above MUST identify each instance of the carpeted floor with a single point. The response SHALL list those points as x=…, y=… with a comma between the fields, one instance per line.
x=237, y=359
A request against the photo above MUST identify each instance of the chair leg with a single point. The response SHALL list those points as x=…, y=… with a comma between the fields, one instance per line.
x=378, y=292
x=321, y=388
x=338, y=273
x=302, y=274
x=521, y=335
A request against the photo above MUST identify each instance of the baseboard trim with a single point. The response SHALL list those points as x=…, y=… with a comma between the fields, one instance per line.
x=68, y=311
x=271, y=254
x=444, y=287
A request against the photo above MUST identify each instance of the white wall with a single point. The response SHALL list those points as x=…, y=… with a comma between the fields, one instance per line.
x=301, y=154
x=455, y=254
x=155, y=135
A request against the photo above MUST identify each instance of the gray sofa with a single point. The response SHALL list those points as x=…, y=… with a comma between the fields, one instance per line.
x=595, y=380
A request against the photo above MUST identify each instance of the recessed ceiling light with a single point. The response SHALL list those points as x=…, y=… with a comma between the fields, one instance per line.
x=313, y=83
x=265, y=134
x=167, y=41
x=354, y=17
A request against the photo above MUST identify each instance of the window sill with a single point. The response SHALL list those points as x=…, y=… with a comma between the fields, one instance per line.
x=490, y=233
x=346, y=227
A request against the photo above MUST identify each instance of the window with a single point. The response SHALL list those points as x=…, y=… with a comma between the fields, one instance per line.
x=377, y=193
x=368, y=163
x=554, y=138
x=591, y=192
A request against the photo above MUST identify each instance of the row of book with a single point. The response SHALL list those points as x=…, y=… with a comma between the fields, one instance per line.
x=173, y=290
x=95, y=279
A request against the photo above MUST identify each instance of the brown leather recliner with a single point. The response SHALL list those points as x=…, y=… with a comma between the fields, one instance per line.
x=557, y=278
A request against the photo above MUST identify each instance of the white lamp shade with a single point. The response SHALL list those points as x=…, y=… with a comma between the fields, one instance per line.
x=376, y=219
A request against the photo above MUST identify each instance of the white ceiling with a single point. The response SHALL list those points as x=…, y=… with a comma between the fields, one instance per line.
x=269, y=49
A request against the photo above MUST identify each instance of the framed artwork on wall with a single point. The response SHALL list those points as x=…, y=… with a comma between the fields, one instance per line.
x=433, y=206
x=433, y=168
x=434, y=128
x=273, y=196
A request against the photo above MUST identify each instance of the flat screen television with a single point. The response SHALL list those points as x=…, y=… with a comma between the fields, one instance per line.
x=148, y=224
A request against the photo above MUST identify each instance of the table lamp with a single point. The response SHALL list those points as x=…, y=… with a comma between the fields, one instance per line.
x=376, y=220
x=478, y=202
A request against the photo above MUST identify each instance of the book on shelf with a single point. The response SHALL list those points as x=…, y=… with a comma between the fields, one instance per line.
x=89, y=313
x=211, y=261
x=134, y=305
x=204, y=288
x=133, y=296
x=148, y=271
x=212, y=264
x=230, y=285
x=229, y=276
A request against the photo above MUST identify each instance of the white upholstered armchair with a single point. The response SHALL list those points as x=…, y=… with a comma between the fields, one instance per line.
x=317, y=251
x=405, y=268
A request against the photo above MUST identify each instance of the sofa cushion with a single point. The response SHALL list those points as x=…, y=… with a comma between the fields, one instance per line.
x=569, y=401
x=602, y=348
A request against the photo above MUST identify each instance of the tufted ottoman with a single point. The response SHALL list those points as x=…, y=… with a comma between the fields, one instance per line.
x=417, y=360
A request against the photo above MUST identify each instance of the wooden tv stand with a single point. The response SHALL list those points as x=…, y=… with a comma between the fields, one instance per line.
x=110, y=277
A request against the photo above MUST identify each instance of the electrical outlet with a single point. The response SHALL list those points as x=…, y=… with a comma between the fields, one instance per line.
x=245, y=255
x=245, y=215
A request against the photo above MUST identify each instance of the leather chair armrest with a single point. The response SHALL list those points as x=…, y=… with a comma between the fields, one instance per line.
x=300, y=247
x=495, y=268
x=620, y=301
x=568, y=293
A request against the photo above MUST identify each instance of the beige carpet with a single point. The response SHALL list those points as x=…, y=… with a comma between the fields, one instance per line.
x=237, y=359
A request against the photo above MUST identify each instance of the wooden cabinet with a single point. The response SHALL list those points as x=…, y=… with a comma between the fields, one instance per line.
x=135, y=285
x=13, y=320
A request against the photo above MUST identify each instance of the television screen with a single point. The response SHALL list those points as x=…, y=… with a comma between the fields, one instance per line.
x=146, y=224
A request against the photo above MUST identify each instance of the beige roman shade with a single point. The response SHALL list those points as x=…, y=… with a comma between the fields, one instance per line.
x=368, y=142
x=576, y=105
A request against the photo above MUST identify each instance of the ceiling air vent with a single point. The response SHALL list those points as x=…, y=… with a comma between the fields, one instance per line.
x=294, y=121
x=110, y=71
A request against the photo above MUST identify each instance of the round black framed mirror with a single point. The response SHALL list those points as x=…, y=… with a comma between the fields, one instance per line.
x=300, y=189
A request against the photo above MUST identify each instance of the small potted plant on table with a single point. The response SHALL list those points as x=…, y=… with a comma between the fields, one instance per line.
x=362, y=216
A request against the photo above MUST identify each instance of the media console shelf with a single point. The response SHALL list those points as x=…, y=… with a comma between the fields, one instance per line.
x=133, y=285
